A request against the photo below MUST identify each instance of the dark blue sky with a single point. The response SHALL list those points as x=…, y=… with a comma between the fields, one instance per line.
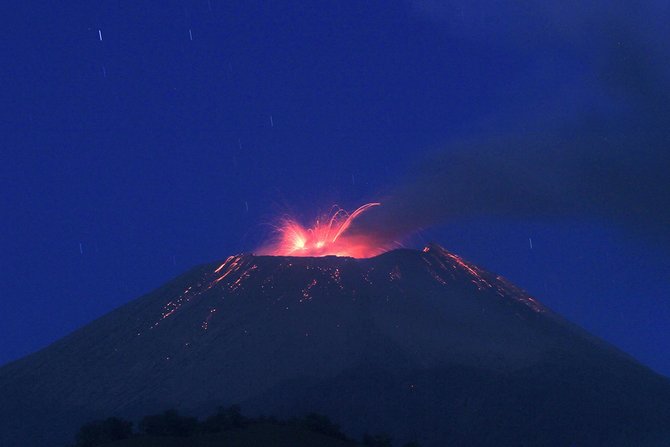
x=177, y=137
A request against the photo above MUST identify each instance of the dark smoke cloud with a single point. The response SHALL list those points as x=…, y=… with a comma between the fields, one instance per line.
x=621, y=179
x=614, y=168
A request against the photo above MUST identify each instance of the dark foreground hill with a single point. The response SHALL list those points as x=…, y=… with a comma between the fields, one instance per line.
x=258, y=435
x=418, y=344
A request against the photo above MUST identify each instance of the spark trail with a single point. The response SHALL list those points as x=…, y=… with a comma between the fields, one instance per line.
x=327, y=236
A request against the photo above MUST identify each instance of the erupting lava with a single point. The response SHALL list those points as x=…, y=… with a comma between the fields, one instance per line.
x=327, y=237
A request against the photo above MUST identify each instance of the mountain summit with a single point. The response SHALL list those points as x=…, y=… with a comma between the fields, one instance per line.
x=418, y=344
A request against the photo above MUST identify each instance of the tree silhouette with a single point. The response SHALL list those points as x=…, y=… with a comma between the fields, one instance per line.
x=224, y=419
x=169, y=423
x=101, y=432
x=322, y=424
x=380, y=440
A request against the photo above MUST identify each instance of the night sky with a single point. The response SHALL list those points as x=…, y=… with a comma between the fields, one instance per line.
x=140, y=139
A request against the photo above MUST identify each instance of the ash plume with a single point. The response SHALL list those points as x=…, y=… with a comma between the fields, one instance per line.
x=608, y=166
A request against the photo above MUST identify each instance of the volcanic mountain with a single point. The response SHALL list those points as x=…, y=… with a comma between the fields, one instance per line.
x=422, y=345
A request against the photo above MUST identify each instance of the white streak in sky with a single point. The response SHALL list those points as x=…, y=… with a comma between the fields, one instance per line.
x=100, y=34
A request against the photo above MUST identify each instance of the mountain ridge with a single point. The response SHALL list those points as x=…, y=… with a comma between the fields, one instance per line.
x=276, y=334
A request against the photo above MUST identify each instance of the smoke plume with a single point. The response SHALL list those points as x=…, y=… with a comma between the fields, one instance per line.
x=614, y=168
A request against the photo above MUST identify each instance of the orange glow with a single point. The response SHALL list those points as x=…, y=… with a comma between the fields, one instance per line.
x=328, y=236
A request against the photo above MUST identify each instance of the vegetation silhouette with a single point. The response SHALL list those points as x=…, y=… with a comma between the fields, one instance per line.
x=381, y=440
x=321, y=424
x=103, y=432
x=171, y=424
x=224, y=419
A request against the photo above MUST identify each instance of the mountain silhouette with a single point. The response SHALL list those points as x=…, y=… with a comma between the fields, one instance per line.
x=421, y=345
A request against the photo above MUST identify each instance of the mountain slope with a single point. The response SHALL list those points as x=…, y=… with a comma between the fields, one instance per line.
x=420, y=344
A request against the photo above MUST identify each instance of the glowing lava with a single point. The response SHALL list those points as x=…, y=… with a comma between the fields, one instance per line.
x=328, y=236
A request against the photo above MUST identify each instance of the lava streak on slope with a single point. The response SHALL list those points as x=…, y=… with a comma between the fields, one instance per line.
x=274, y=277
x=328, y=236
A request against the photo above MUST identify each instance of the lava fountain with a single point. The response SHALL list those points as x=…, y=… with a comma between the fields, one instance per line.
x=327, y=236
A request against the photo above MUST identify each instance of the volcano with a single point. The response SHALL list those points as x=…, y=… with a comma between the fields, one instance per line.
x=421, y=345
